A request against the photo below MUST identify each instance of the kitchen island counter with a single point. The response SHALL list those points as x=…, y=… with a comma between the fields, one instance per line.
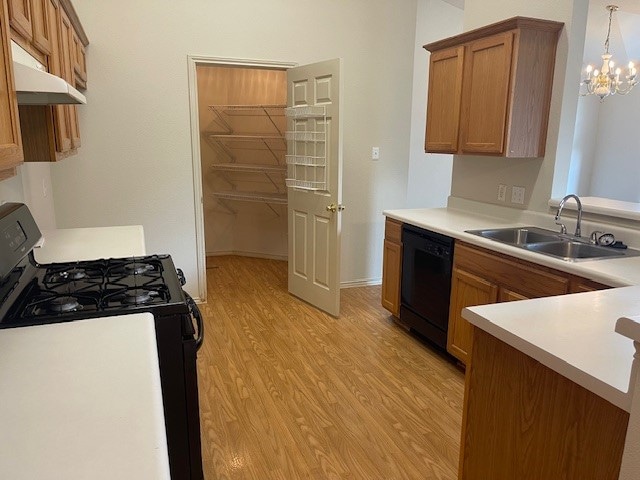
x=573, y=335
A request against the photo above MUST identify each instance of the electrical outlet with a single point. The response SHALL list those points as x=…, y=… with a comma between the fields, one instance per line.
x=517, y=195
x=502, y=193
x=375, y=153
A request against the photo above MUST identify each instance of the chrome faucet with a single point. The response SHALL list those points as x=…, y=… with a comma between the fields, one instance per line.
x=563, y=228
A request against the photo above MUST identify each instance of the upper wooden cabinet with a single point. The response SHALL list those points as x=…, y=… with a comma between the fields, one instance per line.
x=445, y=93
x=10, y=140
x=79, y=61
x=30, y=27
x=53, y=132
x=20, y=17
x=490, y=89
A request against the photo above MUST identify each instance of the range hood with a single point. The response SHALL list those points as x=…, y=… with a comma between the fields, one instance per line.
x=35, y=86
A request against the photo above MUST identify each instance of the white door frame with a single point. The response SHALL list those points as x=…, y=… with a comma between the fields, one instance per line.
x=198, y=202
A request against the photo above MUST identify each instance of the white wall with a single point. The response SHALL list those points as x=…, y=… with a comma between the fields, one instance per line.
x=616, y=171
x=584, y=146
x=429, y=182
x=134, y=166
x=32, y=185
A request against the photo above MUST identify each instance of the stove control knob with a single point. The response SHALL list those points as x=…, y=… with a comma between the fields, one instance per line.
x=181, y=277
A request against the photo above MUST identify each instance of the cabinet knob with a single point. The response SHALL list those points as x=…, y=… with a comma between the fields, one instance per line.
x=335, y=208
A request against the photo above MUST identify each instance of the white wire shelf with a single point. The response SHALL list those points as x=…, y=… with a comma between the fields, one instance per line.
x=274, y=198
x=306, y=160
x=306, y=184
x=241, y=137
x=233, y=145
x=306, y=112
x=305, y=136
x=235, y=118
x=274, y=110
x=248, y=168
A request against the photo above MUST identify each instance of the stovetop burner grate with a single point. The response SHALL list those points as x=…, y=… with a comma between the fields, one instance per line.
x=70, y=291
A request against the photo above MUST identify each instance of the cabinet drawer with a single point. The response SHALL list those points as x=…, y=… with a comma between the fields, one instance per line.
x=521, y=277
x=393, y=231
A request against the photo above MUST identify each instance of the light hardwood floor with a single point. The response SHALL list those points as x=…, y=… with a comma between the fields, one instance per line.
x=289, y=392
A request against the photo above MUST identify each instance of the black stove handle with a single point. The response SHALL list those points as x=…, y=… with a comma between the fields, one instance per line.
x=181, y=276
x=195, y=313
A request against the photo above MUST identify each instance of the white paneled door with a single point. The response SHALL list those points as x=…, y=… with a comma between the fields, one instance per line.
x=314, y=215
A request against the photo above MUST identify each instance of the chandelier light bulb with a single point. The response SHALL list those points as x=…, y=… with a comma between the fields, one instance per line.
x=589, y=68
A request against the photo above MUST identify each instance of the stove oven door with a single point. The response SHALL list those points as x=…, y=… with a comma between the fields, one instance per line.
x=177, y=350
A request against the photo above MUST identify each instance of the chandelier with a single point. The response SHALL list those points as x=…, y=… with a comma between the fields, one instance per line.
x=607, y=81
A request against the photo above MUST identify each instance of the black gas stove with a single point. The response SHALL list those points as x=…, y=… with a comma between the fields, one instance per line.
x=62, y=292
x=35, y=294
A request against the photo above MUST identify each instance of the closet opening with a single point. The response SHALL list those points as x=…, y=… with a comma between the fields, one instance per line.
x=242, y=125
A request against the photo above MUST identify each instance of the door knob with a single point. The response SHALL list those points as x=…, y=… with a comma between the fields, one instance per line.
x=335, y=208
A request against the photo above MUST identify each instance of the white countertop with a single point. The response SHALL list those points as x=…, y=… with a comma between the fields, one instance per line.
x=618, y=272
x=73, y=244
x=571, y=334
x=82, y=400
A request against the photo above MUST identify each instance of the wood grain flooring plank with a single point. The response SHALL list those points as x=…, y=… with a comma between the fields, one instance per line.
x=289, y=392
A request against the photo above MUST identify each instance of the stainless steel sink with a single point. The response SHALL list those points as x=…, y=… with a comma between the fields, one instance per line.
x=518, y=235
x=548, y=242
x=568, y=250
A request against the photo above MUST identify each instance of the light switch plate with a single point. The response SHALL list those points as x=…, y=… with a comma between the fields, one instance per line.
x=375, y=153
x=517, y=195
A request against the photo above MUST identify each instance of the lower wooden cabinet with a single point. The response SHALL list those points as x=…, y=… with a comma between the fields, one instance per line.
x=467, y=289
x=482, y=276
x=579, y=285
x=524, y=421
x=392, y=266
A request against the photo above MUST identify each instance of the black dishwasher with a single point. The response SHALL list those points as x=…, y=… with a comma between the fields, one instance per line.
x=426, y=283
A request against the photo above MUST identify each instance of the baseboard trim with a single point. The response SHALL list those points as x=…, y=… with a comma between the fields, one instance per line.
x=266, y=256
x=361, y=283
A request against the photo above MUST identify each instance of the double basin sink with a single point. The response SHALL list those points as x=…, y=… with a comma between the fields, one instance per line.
x=553, y=244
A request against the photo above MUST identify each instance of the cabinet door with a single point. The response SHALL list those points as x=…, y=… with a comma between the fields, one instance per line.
x=66, y=55
x=466, y=290
x=391, y=276
x=10, y=140
x=41, y=25
x=79, y=61
x=443, y=102
x=485, y=94
x=74, y=123
x=392, y=266
x=62, y=127
x=20, y=18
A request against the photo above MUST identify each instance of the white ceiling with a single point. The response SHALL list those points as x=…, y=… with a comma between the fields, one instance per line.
x=625, y=31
